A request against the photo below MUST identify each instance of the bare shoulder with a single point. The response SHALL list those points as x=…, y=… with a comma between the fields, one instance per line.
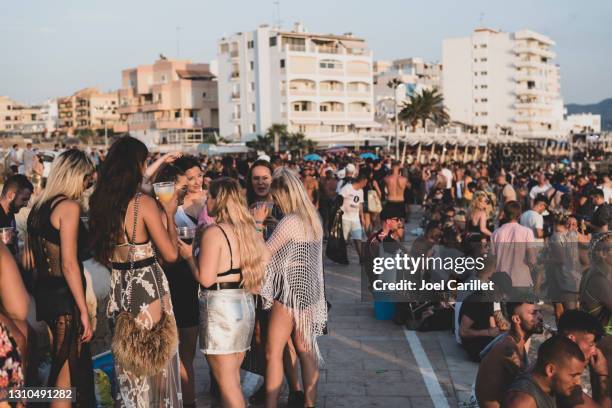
x=517, y=399
x=212, y=233
x=68, y=208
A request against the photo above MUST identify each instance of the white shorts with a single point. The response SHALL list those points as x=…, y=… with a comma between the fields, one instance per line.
x=352, y=228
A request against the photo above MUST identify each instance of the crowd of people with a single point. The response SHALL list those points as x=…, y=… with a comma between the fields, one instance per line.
x=230, y=251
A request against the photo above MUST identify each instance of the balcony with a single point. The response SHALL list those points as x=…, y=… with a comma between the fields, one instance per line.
x=531, y=91
x=332, y=114
x=236, y=116
x=151, y=106
x=305, y=114
x=235, y=95
x=235, y=75
x=127, y=109
x=530, y=64
x=302, y=92
x=183, y=123
x=326, y=49
x=360, y=114
x=532, y=105
x=535, y=50
x=527, y=76
x=234, y=54
x=338, y=92
x=358, y=93
x=533, y=119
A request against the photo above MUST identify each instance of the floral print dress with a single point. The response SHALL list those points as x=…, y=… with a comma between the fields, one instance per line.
x=11, y=373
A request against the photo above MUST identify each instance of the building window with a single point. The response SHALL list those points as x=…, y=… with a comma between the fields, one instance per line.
x=253, y=86
x=252, y=107
x=483, y=45
x=484, y=86
x=330, y=64
x=324, y=108
x=484, y=100
x=475, y=100
x=475, y=73
x=253, y=128
x=251, y=44
x=273, y=41
x=483, y=72
x=483, y=60
x=282, y=63
x=177, y=114
x=203, y=94
x=252, y=65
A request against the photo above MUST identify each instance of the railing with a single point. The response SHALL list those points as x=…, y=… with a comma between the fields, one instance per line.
x=235, y=75
x=235, y=95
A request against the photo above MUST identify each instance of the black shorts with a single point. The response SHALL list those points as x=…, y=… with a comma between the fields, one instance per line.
x=398, y=207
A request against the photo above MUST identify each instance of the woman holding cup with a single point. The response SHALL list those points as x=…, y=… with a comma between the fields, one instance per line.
x=183, y=286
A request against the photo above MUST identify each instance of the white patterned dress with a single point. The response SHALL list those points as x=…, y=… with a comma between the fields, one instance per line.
x=162, y=389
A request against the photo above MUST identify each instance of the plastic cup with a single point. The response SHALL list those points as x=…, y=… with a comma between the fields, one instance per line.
x=164, y=191
x=186, y=234
x=6, y=235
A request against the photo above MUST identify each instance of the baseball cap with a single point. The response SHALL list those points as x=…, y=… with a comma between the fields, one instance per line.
x=350, y=167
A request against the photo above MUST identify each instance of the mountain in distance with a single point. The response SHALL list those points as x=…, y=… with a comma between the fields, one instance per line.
x=603, y=108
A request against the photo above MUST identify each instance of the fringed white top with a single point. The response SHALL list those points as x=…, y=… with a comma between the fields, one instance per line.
x=294, y=277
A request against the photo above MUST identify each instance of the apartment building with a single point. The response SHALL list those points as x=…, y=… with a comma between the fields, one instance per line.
x=87, y=108
x=316, y=84
x=414, y=73
x=168, y=99
x=499, y=80
x=9, y=116
x=26, y=120
x=583, y=123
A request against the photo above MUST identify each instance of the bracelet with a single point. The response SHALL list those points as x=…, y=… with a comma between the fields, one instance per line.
x=259, y=222
x=259, y=229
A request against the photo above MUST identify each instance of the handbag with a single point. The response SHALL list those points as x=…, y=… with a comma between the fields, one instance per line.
x=142, y=351
x=374, y=204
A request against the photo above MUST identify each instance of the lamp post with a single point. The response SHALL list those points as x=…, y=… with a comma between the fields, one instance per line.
x=105, y=110
x=394, y=84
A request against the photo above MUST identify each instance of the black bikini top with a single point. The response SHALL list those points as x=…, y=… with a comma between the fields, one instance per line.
x=231, y=271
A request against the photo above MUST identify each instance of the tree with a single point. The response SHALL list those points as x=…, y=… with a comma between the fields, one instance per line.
x=261, y=143
x=280, y=139
x=428, y=105
x=85, y=135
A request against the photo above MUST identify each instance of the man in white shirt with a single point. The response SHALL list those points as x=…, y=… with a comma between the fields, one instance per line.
x=28, y=159
x=533, y=218
x=541, y=188
x=349, y=174
x=352, y=207
x=448, y=178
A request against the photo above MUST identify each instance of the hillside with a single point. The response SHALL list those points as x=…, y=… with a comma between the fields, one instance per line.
x=603, y=108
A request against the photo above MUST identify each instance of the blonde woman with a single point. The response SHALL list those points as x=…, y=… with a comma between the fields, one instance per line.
x=230, y=268
x=480, y=211
x=58, y=240
x=293, y=287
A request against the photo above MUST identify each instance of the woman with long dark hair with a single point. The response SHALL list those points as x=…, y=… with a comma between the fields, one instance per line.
x=58, y=240
x=128, y=233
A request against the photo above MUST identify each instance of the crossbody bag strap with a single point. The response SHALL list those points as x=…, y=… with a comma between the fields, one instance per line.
x=132, y=248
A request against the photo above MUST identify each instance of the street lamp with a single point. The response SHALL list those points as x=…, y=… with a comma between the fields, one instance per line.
x=394, y=84
x=105, y=110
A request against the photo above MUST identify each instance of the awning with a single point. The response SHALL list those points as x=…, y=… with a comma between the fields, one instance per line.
x=194, y=74
x=354, y=44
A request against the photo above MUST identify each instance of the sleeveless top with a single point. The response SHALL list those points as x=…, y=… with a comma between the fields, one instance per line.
x=51, y=291
x=231, y=271
x=525, y=384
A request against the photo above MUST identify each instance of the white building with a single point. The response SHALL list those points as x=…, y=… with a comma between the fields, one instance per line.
x=50, y=116
x=317, y=84
x=414, y=73
x=583, y=123
x=495, y=80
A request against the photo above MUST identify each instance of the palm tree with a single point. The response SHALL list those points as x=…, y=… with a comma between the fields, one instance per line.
x=276, y=132
x=428, y=105
x=261, y=143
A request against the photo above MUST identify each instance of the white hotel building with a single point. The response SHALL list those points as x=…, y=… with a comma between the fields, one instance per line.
x=495, y=80
x=317, y=84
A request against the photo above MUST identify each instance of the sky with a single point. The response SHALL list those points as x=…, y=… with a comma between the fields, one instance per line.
x=53, y=48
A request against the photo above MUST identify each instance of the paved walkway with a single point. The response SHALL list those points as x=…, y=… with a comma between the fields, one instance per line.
x=372, y=363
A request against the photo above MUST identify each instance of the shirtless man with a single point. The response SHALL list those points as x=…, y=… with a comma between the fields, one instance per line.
x=311, y=184
x=505, y=360
x=395, y=186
